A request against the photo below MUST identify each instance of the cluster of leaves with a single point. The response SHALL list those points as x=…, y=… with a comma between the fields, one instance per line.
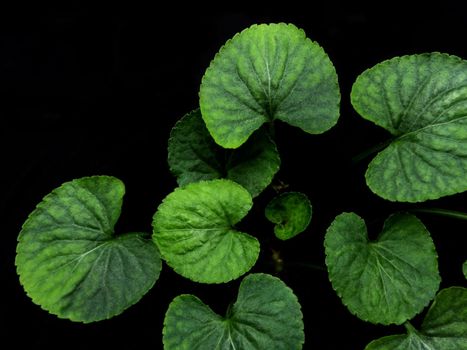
x=223, y=155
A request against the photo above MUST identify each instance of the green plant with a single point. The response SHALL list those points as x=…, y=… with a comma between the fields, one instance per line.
x=223, y=154
x=291, y=212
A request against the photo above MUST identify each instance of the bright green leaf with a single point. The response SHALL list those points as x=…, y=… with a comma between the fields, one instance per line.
x=194, y=156
x=444, y=327
x=422, y=101
x=71, y=263
x=291, y=212
x=194, y=230
x=388, y=280
x=264, y=73
x=397, y=342
x=266, y=315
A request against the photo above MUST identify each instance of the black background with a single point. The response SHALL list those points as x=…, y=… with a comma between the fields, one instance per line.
x=87, y=91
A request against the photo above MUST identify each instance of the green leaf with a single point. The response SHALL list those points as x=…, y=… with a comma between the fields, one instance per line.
x=464, y=269
x=291, y=212
x=266, y=315
x=388, y=280
x=71, y=263
x=194, y=230
x=396, y=342
x=194, y=156
x=422, y=101
x=264, y=73
x=444, y=327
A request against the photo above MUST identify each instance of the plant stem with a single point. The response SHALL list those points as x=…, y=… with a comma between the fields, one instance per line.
x=229, y=311
x=410, y=329
x=369, y=151
x=307, y=265
x=442, y=212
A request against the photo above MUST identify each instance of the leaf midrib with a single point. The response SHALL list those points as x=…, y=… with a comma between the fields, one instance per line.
x=77, y=260
x=269, y=111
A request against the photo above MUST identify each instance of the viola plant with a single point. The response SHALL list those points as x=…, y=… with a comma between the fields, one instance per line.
x=422, y=101
x=291, y=212
x=268, y=73
x=266, y=315
x=70, y=261
x=194, y=230
x=223, y=155
x=375, y=278
x=443, y=327
x=194, y=156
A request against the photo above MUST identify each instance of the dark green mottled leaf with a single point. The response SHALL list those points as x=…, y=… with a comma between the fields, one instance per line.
x=194, y=156
x=291, y=212
x=194, y=230
x=444, y=327
x=422, y=101
x=71, y=263
x=266, y=315
x=264, y=73
x=388, y=280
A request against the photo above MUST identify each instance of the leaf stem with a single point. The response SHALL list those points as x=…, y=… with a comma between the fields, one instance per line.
x=307, y=265
x=369, y=151
x=229, y=311
x=442, y=212
x=410, y=329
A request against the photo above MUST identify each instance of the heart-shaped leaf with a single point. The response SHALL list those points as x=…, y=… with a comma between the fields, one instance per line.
x=385, y=281
x=444, y=326
x=194, y=230
x=264, y=73
x=422, y=101
x=266, y=315
x=194, y=156
x=291, y=212
x=71, y=263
